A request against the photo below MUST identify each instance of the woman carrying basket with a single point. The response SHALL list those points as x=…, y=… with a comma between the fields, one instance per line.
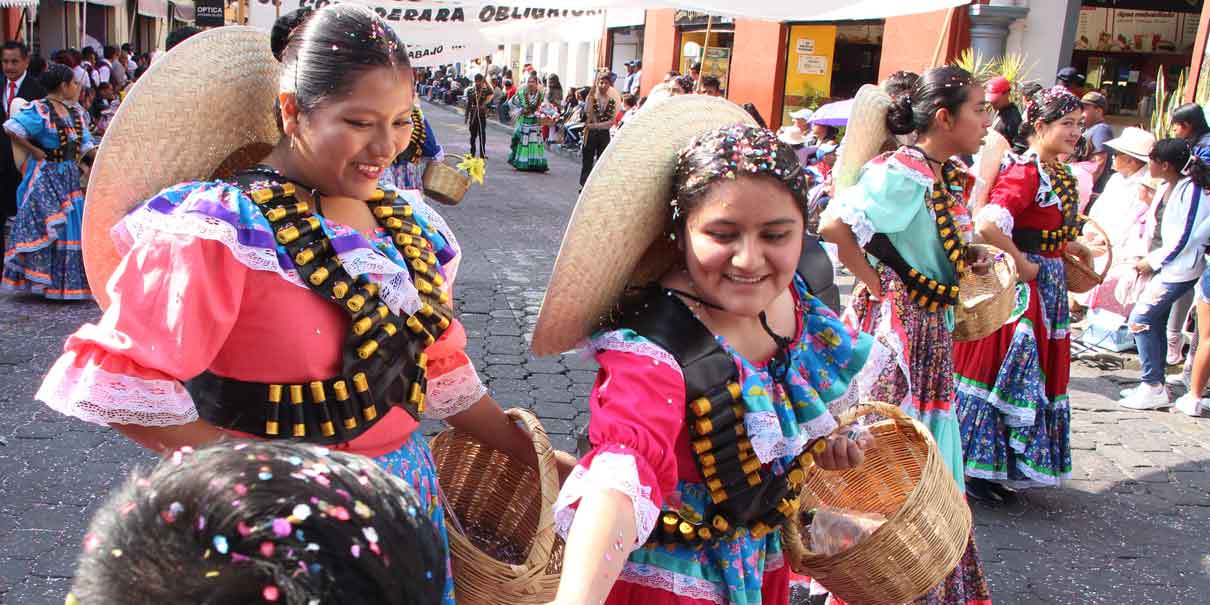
x=293, y=300
x=904, y=218
x=718, y=370
x=1012, y=385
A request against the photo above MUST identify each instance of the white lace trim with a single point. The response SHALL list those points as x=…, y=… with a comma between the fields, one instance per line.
x=912, y=174
x=863, y=229
x=144, y=222
x=94, y=395
x=861, y=385
x=890, y=347
x=1045, y=195
x=453, y=392
x=650, y=576
x=615, y=341
x=610, y=470
x=397, y=290
x=998, y=216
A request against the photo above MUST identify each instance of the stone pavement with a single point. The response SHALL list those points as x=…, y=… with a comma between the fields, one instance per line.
x=1131, y=526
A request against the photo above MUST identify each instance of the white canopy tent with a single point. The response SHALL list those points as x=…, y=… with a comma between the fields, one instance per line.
x=445, y=31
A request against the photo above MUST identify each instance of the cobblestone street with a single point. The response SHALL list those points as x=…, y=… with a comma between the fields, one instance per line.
x=1131, y=527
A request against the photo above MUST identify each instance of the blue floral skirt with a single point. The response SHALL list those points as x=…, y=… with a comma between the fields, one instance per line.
x=414, y=463
x=43, y=254
x=1012, y=389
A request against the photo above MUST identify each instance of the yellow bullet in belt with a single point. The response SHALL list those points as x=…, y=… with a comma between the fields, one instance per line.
x=700, y=406
x=367, y=349
x=318, y=276
x=339, y=289
x=363, y=325
x=360, y=384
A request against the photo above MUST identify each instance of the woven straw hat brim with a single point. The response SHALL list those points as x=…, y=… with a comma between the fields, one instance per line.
x=864, y=136
x=617, y=235
x=202, y=111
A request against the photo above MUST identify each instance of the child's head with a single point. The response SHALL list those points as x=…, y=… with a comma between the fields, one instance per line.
x=105, y=91
x=258, y=522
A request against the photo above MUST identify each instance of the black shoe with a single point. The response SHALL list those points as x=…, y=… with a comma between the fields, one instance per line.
x=980, y=490
x=1005, y=494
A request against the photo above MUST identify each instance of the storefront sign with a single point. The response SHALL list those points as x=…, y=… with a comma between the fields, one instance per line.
x=809, y=75
x=209, y=13
x=1136, y=31
x=812, y=65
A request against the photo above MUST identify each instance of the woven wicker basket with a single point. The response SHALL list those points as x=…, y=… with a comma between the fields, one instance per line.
x=1081, y=277
x=904, y=478
x=445, y=183
x=985, y=301
x=507, y=502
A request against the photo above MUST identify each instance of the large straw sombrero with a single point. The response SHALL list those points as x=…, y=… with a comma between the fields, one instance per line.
x=618, y=231
x=204, y=110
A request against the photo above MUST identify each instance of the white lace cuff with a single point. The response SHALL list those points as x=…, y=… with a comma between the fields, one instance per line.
x=454, y=392
x=856, y=219
x=610, y=470
x=998, y=216
x=94, y=395
x=615, y=340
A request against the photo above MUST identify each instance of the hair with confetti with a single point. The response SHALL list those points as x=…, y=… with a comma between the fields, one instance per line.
x=244, y=522
x=1046, y=106
x=916, y=106
x=324, y=51
x=726, y=153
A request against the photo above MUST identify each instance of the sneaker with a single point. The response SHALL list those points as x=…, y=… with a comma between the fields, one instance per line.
x=1190, y=405
x=1146, y=397
x=1177, y=380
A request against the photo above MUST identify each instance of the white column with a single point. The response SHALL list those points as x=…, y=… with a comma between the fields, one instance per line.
x=558, y=62
x=542, y=59
x=1041, y=37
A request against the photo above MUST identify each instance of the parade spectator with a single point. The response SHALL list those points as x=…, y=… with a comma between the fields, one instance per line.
x=127, y=56
x=179, y=35
x=97, y=70
x=117, y=67
x=1071, y=79
x=554, y=90
x=1124, y=212
x=670, y=76
x=681, y=85
x=711, y=86
x=1008, y=117
x=1097, y=132
x=695, y=71
x=634, y=77
x=1174, y=266
x=1189, y=123
x=261, y=512
x=19, y=83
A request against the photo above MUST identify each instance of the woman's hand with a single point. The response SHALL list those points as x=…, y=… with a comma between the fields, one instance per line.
x=566, y=463
x=978, y=259
x=845, y=450
x=38, y=154
x=1027, y=270
x=1143, y=268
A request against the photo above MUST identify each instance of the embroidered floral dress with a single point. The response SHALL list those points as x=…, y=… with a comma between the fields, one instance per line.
x=43, y=254
x=893, y=197
x=642, y=450
x=1012, y=385
x=204, y=286
x=527, y=151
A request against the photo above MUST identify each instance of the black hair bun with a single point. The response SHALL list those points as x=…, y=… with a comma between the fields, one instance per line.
x=900, y=119
x=284, y=27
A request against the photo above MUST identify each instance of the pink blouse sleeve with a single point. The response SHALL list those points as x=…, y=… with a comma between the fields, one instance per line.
x=637, y=411
x=453, y=383
x=174, y=300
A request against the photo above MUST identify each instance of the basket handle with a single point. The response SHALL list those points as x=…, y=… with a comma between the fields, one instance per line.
x=548, y=482
x=1108, y=246
x=851, y=415
x=457, y=159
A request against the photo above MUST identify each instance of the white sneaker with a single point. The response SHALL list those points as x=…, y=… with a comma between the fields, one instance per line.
x=1146, y=397
x=1190, y=405
x=1177, y=380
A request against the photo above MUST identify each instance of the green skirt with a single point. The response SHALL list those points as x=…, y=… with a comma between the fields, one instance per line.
x=528, y=152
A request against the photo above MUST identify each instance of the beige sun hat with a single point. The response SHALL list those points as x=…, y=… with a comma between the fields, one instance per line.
x=617, y=235
x=864, y=136
x=1134, y=142
x=791, y=135
x=205, y=110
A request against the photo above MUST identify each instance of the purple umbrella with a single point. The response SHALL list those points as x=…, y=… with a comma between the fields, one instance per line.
x=833, y=114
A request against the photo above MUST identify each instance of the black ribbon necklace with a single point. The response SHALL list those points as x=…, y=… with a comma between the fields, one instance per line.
x=779, y=365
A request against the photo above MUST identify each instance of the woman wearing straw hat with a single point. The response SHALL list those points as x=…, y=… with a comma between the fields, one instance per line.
x=294, y=299
x=708, y=234
x=906, y=213
x=1012, y=384
x=43, y=254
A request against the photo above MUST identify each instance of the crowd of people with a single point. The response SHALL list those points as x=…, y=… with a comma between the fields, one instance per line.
x=276, y=335
x=55, y=114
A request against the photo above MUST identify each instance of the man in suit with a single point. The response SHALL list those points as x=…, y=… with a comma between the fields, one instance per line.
x=14, y=57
